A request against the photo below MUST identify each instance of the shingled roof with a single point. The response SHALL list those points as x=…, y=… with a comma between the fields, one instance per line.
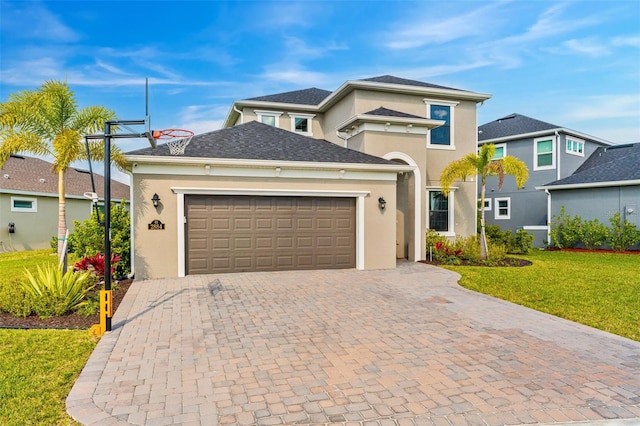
x=616, y=163
x=257, y=141
x=386, y=112
x=30, y=174
x=512, y=125
x=312, y=96
x=390, y=79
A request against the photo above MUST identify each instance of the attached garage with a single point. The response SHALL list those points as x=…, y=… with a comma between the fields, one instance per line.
x=268, y=233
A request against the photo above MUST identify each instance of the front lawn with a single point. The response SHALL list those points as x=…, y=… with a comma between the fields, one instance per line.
x=601, y=290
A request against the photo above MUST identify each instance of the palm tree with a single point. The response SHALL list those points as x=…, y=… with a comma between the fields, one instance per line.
x=483, y=165
x=47, y=122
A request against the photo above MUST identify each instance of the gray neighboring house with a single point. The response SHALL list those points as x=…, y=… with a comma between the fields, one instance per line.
x=551, y=153
x=29, y=200
x=606, y=183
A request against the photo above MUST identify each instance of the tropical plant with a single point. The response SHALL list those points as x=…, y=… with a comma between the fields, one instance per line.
x=594, y=233
x=622, y=234
x=483, y=165
x=566, y=230
x=47, y=122
x=95, y=264
x=54, y=292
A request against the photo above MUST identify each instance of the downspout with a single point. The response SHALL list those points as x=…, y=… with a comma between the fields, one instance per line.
x=239, y=112
x=346, y=140
x=558, y=155
x=548, y=216
x=131, y=225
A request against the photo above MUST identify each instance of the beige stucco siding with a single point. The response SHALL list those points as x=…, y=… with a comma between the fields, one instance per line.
x=156, y=251
x=34, y=230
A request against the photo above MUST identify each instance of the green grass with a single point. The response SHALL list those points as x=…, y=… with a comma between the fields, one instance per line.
x=37, y=367
x=601, y=290
x=37, y=371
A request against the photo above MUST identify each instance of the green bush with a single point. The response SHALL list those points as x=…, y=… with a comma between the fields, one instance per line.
x=594, y=233
x=566, y=231
x=87, y=238
x=497, y=253
x=521, y=242
x=14, y=299
x=622, y=235
x=55, y=293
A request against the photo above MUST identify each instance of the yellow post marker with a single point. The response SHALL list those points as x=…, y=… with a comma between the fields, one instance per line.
x=106, y=312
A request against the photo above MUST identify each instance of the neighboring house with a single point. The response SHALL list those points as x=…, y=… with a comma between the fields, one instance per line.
x=309, y=179
x=550, y=152
x=608, y=182
x=29, y=201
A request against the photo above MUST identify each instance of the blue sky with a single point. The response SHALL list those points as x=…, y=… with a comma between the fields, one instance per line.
x=575, y=64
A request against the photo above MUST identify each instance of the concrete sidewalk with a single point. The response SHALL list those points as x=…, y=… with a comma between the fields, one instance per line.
x=405, y=346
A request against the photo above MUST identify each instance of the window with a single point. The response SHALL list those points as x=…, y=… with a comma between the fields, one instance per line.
x=443, y=136
x=501, y=151
x=302, y=123
x=487, y=204
x=270, y=118
x=503, y=208
x=575, y=146
x=441, y=212
x=544, y=153
x=22, y=204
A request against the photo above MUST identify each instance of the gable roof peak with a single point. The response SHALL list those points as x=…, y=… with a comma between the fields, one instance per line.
x=392, y=79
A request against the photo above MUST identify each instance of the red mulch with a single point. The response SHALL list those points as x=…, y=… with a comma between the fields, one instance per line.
x=69, y=321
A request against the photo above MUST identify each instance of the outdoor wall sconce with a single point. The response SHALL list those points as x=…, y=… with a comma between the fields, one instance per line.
x=382, y=203
x=156, y=200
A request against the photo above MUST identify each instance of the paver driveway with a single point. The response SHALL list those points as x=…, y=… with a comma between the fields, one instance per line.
x=404, y=346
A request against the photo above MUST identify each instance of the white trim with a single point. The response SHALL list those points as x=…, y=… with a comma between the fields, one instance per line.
x=32, y=209
x=181, y=227
x=547, y=132
x=487, y=208
x=496, y=213
x=419, y=237
x=360, y=246
x=577, y=141
x=535, y=228
x=553, y=153
x=182, y=234
x=451, y=104
x=591, y=185
x=49, y=194
x=451, y=232
x=308, y=117
x=264, y=113
x=504, y=150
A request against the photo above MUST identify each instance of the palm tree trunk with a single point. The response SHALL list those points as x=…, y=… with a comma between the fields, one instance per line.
x=484, y=249
x=62, y=215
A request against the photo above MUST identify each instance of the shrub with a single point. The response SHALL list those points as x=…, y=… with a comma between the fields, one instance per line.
x=521, y=242
x=55, y=293
x=622, y=235
x=87, y=238
x=95, y=264
x=14, y=299
x=497, y=253
x=566, y=231
x=594, y=233
x=496, y=235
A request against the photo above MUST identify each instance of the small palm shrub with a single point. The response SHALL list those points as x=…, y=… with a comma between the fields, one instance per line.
x=54, y=293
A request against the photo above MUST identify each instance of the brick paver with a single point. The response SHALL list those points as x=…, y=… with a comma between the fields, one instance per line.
x=399, y=347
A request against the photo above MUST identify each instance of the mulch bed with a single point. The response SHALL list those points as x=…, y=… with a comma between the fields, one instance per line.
x=507, y=262
x=69, y=321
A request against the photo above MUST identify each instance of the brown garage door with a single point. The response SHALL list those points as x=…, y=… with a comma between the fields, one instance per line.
x=251, y=233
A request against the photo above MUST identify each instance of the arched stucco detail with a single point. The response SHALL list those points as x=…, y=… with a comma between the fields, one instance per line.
x=417, y=237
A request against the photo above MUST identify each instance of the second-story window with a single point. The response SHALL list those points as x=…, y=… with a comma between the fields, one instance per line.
x=575, y=146
x=270, y=118
x=442, y=136
x=544, y=153
x=302, y=123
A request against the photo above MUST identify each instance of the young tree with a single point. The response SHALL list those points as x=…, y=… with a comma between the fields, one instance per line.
x=483, y=165
x=47, y=122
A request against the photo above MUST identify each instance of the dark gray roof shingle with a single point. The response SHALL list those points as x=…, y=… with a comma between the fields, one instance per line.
x=312, y=96
x=390, y=113
x=512, y=125
x=390, y=79
x=35, y=175
x=257, y=141
x=607, y=164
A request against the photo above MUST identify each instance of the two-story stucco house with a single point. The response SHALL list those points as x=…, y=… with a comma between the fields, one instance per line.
x=309, y=179
x=550, y=152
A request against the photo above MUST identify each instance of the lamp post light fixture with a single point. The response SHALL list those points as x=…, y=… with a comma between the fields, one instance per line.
x=382, y=203
x=156, y=200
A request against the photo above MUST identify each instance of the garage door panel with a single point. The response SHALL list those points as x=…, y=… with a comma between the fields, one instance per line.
x=247, y=233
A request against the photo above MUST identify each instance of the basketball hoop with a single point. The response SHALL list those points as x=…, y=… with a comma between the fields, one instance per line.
x=176, y=139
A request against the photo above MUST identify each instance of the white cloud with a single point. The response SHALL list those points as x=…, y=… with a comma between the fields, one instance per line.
x=632, y=41
x=42, y=24
x=202, y=118
x=589, y=47
x=605, y=107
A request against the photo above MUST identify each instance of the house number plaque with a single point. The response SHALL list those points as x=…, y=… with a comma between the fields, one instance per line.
x=156, y=225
